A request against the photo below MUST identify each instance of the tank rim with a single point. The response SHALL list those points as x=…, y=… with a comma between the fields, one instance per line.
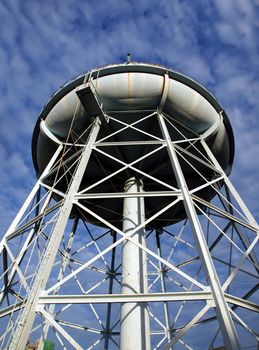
x=132, y=67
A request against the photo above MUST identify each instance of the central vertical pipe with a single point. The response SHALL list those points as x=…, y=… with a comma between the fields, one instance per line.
x=135, y=329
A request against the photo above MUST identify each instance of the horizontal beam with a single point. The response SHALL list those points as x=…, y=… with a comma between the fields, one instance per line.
x=224, y=213
x=128, y=143
x=242, y=302
x=63, y=162
x=128, y=195
x=193, y=156
x=123, y=298
x=11, y=309
x=32, y=221
x=138, y=298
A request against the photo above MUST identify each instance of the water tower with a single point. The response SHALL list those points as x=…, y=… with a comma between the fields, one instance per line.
x=133, y=237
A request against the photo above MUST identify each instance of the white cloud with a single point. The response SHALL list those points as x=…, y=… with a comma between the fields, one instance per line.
x=228, y=33
x=237, y=25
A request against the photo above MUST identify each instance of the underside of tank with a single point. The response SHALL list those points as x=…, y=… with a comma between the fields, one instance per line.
x=129, y=98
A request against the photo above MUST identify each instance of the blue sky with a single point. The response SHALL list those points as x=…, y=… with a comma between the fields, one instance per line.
x=44, y=44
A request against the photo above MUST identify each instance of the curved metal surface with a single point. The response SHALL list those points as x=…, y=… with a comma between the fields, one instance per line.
x=111, y=70
x=129, y=92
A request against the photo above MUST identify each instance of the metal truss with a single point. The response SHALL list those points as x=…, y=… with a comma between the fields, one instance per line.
x=61, y=259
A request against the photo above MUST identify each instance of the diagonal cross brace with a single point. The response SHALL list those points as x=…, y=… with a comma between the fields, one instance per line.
x=226, y=323
x=26, y=320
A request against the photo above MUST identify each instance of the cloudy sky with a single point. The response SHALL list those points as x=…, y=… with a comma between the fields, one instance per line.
x=45, y=43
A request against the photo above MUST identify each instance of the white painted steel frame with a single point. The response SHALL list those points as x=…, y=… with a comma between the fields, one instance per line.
x=28, y=200
x=23, y=329
x=213, y=296
x=225, y=320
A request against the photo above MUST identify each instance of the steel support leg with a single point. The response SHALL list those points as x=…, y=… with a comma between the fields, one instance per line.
x=135, y=329
x=26, y=320
x=225, y=321
x=64, y=263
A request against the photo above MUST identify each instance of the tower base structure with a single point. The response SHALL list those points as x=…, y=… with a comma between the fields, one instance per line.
x=184, y=271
